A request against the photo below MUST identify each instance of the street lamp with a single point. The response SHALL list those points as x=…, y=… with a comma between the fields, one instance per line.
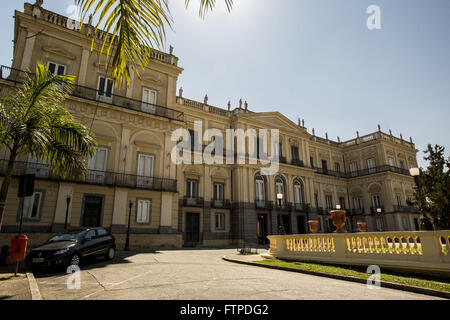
x=424, y=220
x=338, y=207
x=280, y=199
x=379, y=210
x=67, y=212
x=281, y=229
x=127, y=242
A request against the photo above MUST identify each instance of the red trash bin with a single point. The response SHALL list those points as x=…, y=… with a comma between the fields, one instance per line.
x=18, y=248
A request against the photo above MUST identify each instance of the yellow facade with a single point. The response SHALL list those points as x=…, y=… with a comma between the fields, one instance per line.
x=131, y=126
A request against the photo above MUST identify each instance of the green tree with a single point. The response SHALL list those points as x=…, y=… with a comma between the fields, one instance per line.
x=34, y=121
x=432, y=196
x=138, y=26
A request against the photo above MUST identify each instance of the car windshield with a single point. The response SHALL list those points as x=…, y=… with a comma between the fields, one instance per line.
x=67, y=237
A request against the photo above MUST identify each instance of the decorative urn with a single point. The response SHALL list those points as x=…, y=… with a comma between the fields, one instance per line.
x=338, y=218
x=313, y=226
x=362, y=226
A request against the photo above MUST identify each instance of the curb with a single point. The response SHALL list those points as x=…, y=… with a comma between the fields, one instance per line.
x=35, y=294
x=390, y=285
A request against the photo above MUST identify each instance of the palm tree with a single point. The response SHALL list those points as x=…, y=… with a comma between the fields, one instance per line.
x=138, y=26
x=33, y=121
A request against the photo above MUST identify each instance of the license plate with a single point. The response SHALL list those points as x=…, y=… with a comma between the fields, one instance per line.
x=38, y=260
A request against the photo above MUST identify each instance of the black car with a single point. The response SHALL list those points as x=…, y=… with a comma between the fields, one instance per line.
x=71, y=249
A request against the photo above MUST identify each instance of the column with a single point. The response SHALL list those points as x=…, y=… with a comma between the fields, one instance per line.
x=167, y=199
x=83, y=67
x=28, y=51
x=119, y=221
x=65, y=190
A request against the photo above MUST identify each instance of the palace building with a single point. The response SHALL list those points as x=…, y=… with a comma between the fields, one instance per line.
x=188, y=205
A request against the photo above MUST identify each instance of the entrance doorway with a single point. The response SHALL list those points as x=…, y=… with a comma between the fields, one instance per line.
x=301, y=225
x=92, y=211
x=262, y=229
x=286, y=222
x=192, y=227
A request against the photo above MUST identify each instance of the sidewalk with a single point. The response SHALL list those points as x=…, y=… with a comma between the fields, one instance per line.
x=14, y=288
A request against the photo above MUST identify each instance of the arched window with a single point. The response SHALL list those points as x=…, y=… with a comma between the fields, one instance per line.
x=279, y=188
x=260, y=188
x=299, y=197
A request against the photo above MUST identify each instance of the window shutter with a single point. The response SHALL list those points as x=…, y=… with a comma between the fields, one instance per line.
x=101, y=86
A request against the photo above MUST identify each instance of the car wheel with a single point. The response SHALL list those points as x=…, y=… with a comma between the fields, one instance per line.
x=111, y=253
x=75, y=260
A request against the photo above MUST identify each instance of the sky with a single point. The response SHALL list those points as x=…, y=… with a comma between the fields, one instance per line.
x=313, y=59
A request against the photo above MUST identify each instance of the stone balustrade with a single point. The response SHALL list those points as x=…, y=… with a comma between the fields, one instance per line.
x=420, y=251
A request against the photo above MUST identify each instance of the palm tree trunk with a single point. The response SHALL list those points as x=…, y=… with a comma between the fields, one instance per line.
x=5, y=185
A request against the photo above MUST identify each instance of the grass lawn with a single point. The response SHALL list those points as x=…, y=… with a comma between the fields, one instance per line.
x=416, y=280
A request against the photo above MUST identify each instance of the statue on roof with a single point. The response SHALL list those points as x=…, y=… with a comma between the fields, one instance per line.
x=246, y=105
x=240, y=103
x=229, y=105
x=180, y=93
x=206, y=99
x=39, y=3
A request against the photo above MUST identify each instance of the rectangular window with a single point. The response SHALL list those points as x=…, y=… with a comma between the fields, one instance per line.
x=371, y=165
x=402, y=164
x=311, y=161
x=376, y=201
x=145, y=171
x=149, y=99
x=357, y=202
x=337, y=167
x=399, y=199
x=391, y=162
x=218, y=191
x=97, y=166
x=329, y=202
x=260, y=192
x=144, y=208
x=324, y=165
x=192, y=189
x=295, y=154
x=105, y=89
x=57, y=69
x=354, y=168
x=342, y=203
x=31, y=206
x=220, y=221
x=316, y=200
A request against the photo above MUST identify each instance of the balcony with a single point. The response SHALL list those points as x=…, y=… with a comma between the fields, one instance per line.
x=298, y=163
x=285, y=206
x=193, y=202
x=364, y=172
x=221, y=204
x=103, y=178
x=263, y=204
x=301, y=207
x=405, y=209
x=358, y=211
x=18, y=76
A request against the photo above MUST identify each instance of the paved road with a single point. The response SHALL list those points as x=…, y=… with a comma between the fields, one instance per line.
x=201, y=275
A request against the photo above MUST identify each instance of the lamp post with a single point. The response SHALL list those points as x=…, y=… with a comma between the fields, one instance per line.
x=280, y=197
x=424, y=220
x=67, y=212
x=127, y=242
x=379, y=210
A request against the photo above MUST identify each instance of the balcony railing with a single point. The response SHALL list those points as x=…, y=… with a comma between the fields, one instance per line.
x=358, y=211
x=405, y=209
x=263, y=204
x=363, y=172
x=221, y=204
x=104, y=178
x=193, y=202
x=18, y=76
x=285, y=206
x=301, y=207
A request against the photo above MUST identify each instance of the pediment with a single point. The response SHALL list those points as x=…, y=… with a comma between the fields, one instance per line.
x=273, y=120
x=60, y=52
